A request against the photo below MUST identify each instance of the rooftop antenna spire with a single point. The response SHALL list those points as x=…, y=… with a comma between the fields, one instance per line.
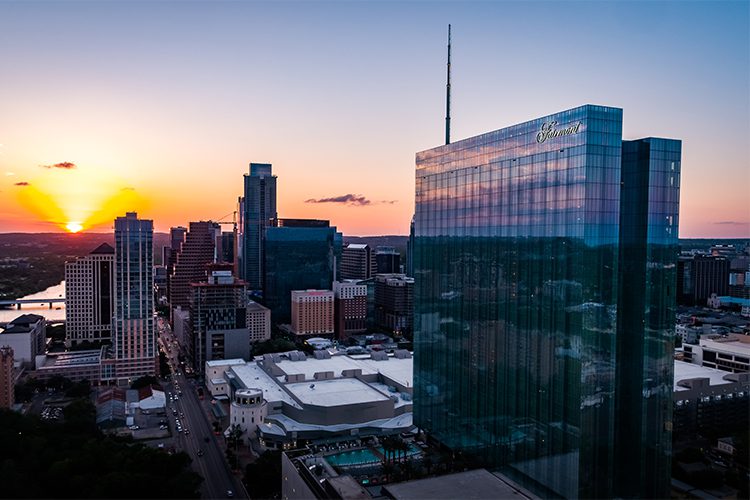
x=448, y=94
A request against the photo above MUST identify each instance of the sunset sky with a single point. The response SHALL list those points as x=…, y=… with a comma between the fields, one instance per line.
x=160, y=106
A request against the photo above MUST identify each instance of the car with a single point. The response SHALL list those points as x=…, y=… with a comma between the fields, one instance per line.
x=230, y=494
x=187, y=432
x=200, y=453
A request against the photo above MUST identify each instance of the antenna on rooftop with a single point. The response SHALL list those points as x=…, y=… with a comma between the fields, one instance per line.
x=448, y=94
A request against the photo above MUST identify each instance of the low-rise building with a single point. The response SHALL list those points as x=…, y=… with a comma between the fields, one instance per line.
x=708, y=401
x=26, y=335
x=317, y=398
x=725, y=352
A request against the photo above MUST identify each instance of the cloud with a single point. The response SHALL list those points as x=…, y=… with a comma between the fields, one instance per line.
x=731, y=223
x=128, y=188
x=65, y=165
x=389, y=202
x=347, y=199
x=10, y=174
x=22, y=183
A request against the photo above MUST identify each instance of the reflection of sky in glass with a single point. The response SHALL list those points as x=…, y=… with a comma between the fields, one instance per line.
x=339, y=97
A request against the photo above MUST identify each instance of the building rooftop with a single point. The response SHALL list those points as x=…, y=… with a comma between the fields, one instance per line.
x=255, y=307
x=357, y=246
x=22, y=324
x=684, y=371
x=103, y=249
x=335, y=392
x=225, y=362
x=736, y=344
x=252, y=376
x=76, y=358
x=473, y=484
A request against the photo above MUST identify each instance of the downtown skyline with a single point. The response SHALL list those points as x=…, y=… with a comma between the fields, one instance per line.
x=111, y=107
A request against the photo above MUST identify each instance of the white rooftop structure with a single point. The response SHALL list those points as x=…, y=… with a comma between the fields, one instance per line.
x=734, y=344
x=684, y=371
x=335, y=392
x=252, y=376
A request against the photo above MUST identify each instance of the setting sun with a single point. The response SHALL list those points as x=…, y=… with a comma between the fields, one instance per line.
x=73, y=227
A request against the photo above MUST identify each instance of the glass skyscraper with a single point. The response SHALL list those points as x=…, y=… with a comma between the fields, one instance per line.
x=257, y=208
x=544, y=261
x=134, y=334
x=298, y=258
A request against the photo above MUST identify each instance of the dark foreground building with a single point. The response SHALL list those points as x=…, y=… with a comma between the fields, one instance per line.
x=544, y=265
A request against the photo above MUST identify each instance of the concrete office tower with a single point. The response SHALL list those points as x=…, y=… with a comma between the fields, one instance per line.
x=258, y=322
x=257, y=208
x=217, y=321
x=134, y=334
x=312, y=312
x=388, y=260
x=297, y=258
x=350, y=308
x=89, y=297
x=357, y=262
x=7, y=387
x=394, y=303
x=544, y=262
x=197, y=252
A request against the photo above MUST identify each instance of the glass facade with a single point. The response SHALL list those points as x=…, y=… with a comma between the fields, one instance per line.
x=256, y=208
x=134, y=334
x=298, y=258
x=516, y=263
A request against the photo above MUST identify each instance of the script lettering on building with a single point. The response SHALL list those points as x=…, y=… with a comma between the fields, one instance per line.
x=549, y=131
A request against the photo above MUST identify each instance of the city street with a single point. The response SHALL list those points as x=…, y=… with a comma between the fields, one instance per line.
x=197, y=435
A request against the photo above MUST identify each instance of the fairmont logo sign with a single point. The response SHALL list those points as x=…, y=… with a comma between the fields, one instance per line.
x=550, y=132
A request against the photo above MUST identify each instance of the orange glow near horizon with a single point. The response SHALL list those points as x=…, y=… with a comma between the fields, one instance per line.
x=77, y=200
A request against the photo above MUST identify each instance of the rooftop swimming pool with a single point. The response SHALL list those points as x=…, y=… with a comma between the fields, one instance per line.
x=365, y=456
x=356, y=457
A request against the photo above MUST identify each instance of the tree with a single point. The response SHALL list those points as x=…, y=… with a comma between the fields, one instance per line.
x=145, y=381
x=272, y=345
x=263, y=477
x=235, y=435
x=72, y=459
x=79, y=389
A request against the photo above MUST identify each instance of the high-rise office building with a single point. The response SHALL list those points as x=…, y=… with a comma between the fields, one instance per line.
x=227, y=247
x=350, y=308
x=197, y=252
x=89, y=296
x=544, y=258
x=257, y=208
x=298, y=257
x=394, y=303
x=357, y=262
x=169, y=252
x=410, y=250
x=312, y=312
x=217, y=321
x=134, y=335
x=387, y=260
x=7, y=386
x=258, y=322
x=710, y=275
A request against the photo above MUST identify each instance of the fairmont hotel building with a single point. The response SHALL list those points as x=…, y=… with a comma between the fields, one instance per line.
x=544, y=267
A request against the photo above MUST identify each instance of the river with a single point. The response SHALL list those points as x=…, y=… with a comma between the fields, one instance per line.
x=57, y=313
